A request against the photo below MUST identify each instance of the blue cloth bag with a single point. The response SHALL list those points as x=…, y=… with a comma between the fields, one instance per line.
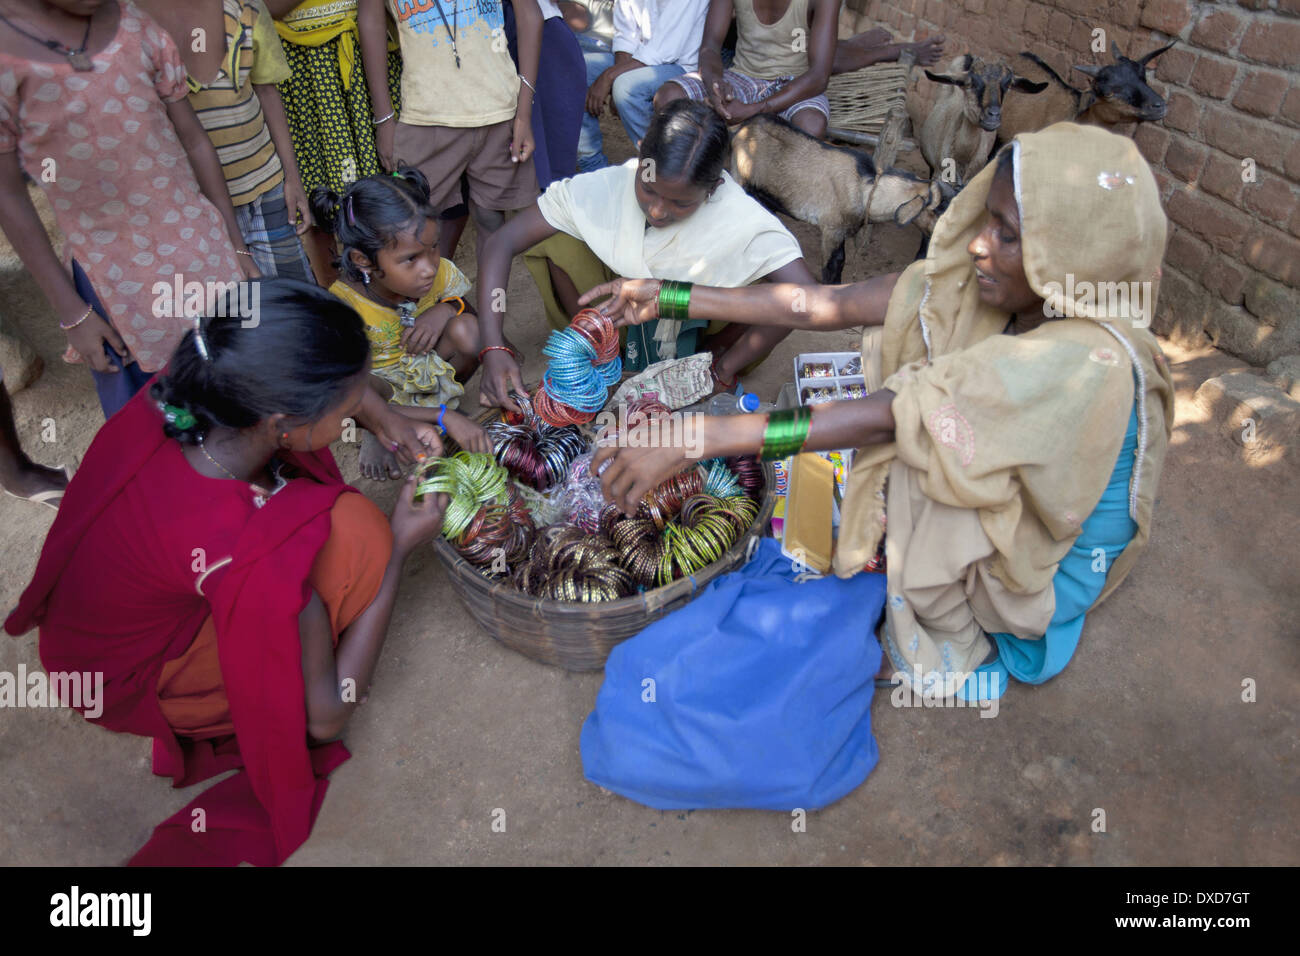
x=757, y=694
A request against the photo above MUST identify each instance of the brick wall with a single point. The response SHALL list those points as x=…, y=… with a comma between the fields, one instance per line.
x=1232, y=266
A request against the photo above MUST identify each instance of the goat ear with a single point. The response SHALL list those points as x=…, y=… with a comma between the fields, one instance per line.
x=945, y=78
x=900, y=219
x=1027, y=86
x=1088, y=70
x=1155, y=53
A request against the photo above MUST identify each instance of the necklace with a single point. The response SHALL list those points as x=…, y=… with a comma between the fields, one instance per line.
x=451, y=30
x=260, y=493
x=78, y=58
x=405, y=309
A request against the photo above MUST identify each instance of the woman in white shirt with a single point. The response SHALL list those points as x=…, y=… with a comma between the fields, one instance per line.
x=672, y=213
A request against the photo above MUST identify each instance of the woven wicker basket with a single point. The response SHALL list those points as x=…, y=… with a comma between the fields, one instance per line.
x=860, y=101
x=578, y=637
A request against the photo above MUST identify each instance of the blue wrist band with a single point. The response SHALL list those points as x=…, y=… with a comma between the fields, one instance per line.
x=442, y=410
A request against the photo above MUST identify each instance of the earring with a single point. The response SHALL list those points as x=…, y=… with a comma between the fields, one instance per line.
x=365, y=278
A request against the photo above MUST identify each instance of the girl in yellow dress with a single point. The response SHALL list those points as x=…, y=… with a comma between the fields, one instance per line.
x=423, y=333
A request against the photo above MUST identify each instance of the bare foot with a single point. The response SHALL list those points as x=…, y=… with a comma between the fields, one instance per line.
x=928, y=51
x=377, y=462
x=32, y=479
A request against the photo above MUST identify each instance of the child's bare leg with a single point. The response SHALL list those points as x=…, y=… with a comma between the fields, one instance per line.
x=724, y=338
x=19, y=475
x=756, y=342
x=459, y=345
x=451, y=225
x=565, y=291
x=488, y=221
x=377, y=462
x=319, y=246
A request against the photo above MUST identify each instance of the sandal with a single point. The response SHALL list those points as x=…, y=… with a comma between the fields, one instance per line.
x=48, y=498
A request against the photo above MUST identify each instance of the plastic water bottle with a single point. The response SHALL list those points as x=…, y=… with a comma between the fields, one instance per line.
x=741, y=403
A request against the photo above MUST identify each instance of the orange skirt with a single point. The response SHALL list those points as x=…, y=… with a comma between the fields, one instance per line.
x=347, y=574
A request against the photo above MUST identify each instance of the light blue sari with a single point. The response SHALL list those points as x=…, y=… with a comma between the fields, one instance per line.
x=1078, y=583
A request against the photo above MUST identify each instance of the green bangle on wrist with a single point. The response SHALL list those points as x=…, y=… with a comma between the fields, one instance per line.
x=674, y=299
x=786, y=433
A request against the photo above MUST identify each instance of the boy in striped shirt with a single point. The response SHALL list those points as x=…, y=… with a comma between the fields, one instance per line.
x=234, y=60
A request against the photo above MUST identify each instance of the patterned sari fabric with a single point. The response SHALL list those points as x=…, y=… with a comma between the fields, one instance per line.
x=325, y=98
x=1004, y=444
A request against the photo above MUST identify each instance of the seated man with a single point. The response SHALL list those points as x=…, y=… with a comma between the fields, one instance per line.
x=786, y=50
x=592, y=21
x=653, y=42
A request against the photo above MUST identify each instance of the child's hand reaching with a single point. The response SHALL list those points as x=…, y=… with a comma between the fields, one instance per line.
x=466, y=432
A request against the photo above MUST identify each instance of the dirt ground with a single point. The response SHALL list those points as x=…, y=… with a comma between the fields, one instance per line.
x=1147, y=724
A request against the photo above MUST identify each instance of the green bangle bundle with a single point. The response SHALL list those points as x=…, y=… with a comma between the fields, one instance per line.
x=786, y=432
x=472, y=479
x=674, y=299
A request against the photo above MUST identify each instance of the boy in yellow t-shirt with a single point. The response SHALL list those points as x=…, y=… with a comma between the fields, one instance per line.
x=466, y=109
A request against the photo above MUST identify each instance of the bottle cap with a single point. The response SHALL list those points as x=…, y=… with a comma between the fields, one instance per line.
x=748, y=402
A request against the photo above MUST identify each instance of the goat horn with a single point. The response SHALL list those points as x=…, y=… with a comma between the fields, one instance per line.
x=1114, y=49
x=1155, y=53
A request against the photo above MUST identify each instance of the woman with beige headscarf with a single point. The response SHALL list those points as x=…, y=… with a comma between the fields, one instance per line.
x=995, y=448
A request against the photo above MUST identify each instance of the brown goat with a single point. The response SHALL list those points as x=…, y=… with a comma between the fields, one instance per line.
x=964, y=121
x=1118, y=94
x=828, y=186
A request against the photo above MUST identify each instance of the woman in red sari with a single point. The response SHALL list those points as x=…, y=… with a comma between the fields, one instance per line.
x=210, y=562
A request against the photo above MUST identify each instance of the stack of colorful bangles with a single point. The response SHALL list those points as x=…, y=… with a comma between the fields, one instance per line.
x=579, y=548
x=679, y=530
x=786, y=432
x=584, y=363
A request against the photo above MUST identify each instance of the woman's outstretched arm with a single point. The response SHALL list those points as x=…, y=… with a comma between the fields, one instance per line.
x=660, y=449
x=814, y=307
x=501, y=372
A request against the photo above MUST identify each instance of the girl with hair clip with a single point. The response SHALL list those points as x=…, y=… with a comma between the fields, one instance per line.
x=423, y=333
x=672, y=213
x=235, y=593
